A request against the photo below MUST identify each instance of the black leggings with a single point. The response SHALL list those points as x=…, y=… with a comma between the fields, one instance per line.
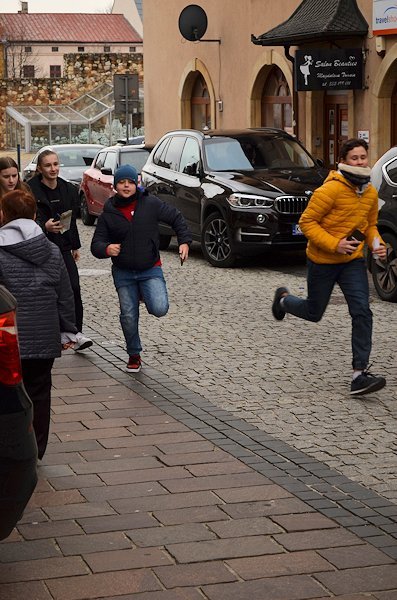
x=75, y=283
x=37, y=380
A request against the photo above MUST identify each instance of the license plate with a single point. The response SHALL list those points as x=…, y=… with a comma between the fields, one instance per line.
x=296, y=230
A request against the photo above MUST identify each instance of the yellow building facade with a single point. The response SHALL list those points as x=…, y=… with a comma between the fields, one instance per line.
x=226, y=81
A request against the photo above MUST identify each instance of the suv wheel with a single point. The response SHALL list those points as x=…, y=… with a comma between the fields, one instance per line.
x=85, y=215
x=384, y=274
x=164, y=241
x=215, y=242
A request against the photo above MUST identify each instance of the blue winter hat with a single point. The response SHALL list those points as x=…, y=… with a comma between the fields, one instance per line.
x=125, y=172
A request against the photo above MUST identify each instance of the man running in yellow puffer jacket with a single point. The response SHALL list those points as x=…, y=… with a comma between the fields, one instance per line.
x=341, y=216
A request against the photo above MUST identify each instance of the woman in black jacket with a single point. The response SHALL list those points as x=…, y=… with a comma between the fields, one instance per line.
x=127, y=232
x=55, y=196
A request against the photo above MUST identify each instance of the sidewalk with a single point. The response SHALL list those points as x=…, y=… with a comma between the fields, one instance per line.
x=150, y=492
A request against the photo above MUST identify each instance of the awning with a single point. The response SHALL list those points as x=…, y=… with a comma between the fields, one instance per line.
x=317, y=20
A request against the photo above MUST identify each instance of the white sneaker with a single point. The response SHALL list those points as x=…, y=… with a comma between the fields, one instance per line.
x=82, y=342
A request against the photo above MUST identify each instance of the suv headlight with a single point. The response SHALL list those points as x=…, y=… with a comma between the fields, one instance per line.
x=250, y=201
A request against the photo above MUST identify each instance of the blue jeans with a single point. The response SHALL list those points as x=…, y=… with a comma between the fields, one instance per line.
x=352, y=279
x=132, y=286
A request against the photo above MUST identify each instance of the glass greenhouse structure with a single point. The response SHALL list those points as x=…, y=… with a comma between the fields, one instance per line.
x=88, y=119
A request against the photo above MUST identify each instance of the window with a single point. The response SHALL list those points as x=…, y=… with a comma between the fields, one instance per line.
x=158, y=157
x=54, y=49
x=80, y=48
x=110, y=161
x=132, y=48
x=190, y=157
x=391, y=171
x=100, y=160
x=106, y=48
x=28, y=71
x=174, y=152
x=55, y=71
x=28, y=49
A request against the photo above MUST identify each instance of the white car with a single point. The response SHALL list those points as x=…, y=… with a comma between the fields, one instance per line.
x=74, y=160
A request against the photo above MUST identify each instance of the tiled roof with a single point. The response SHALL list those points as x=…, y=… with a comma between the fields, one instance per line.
x=314, y=20
x=67, y=27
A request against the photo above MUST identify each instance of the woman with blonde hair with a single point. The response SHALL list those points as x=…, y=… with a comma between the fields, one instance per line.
x=9, y=176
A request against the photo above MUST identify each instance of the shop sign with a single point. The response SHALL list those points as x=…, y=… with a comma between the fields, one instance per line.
x=322, y=69
x=384, y=20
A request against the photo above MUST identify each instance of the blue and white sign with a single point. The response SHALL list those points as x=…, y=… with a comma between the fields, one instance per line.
x=384, y=17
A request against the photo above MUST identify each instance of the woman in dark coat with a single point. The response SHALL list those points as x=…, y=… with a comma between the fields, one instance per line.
x=33, y=270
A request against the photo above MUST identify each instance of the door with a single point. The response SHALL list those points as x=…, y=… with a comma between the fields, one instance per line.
x=188, y=193
x=336, y=128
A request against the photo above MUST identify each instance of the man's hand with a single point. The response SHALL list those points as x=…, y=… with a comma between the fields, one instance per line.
x=76, y=255
x=346, y=246
x=113, y=249
x=183, y=252
x=53, y=226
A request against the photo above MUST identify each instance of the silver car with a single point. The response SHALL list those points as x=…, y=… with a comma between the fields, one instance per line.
x=74, y=160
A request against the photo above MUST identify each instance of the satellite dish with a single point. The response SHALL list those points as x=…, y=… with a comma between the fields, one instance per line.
x=193, y=23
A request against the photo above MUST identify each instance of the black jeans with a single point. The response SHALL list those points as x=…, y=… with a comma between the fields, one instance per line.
x=75, y=283
x=37, y=380
x=352, y=278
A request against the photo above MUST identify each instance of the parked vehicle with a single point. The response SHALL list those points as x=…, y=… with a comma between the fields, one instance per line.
x=241, y=192
x=384, y=178
x=73, y=158
x=137, y=139
x=18, y=449
x=97, y=183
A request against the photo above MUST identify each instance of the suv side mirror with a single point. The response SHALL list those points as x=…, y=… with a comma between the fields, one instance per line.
x=320, y=162
x=192, y=169
x=106, y=171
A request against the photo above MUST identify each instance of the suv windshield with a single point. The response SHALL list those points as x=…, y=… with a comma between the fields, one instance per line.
x=254, y=152
x=76, y=157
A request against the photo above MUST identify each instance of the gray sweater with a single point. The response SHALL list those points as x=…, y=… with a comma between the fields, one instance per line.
x=33, y=270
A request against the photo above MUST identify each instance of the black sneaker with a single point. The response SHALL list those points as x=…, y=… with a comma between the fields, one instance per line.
x=277, y=310
x=366, y=383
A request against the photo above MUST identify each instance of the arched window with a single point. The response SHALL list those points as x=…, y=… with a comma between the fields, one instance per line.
x=200, y=105
x=276, y=102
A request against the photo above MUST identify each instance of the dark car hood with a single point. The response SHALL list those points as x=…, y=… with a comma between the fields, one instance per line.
x=271, y=181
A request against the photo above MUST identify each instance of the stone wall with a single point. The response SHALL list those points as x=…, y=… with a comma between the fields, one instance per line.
x=82, y=73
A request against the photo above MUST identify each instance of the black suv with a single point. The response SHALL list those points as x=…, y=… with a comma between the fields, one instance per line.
x=241, y=192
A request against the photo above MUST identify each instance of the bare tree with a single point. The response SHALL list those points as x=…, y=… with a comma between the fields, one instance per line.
x=18, y=52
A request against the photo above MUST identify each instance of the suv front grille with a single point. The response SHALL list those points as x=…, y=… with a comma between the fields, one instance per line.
x=291, y=205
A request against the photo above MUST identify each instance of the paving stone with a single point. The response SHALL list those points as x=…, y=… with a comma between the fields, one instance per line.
x=244, y=527
x=297, y=563
x=213, y=482
x=199, y=514
x=365, y=579
x=97, y=585
x=96, y=542
x=170, y=501
x=24, y=551
x=34, y=531
x=42, y=569
x=304, y=522
x=305, y=540
x=162, y=474
x=252, y=493
x=120, y=560
x=117, y=522
x=34, y=590
x=355, y=556
x=222, y=549
x=122, y=464
x=172, y=534
x=194, y=574
x=294, y=587
x=281, y=506
x=129, y=490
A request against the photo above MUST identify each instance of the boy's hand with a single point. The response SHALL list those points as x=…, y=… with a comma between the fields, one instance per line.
x=346, y=246
x=380, y=252
x=113, y=249
x=183, y=252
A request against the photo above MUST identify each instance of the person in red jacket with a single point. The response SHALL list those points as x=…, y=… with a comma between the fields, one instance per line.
x=340, y=216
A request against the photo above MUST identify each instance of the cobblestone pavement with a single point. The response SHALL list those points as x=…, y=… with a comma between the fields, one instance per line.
x=290, y=379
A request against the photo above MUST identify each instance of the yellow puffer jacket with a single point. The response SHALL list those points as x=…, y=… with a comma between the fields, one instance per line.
x=334, y=211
